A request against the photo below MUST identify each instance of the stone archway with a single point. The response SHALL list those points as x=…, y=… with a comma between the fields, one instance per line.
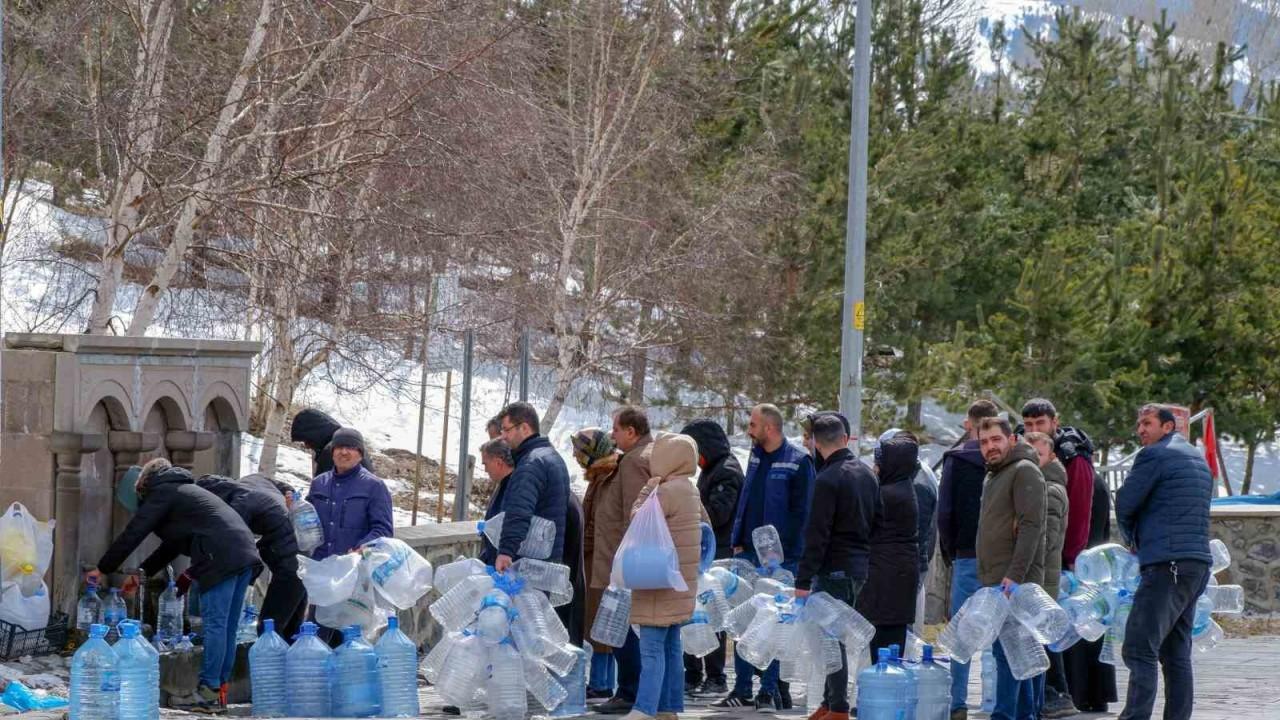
x=222, y=424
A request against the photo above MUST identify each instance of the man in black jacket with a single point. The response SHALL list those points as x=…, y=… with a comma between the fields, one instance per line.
x=315, y=429
x=260, y=502
x=192, y=521
x=719, y=484
x=845, y=512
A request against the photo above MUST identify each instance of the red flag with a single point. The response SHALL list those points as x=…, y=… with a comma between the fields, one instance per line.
x=1211, y=445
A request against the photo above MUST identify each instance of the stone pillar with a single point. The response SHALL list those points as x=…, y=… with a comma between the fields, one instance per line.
x=68, y=448
x=184, y=444
x=126, y=448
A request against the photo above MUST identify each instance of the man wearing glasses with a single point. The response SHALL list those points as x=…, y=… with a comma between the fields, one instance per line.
x=538, y=486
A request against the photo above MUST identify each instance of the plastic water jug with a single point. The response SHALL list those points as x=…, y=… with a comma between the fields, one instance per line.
x=450, y=574
x=247, y=631
x=170, y=616
x=1108, y=563
x=1207, y=636
x=735, y=589
x=535, y=607
x=353, y=676
x=1038, y=612
x=551, y=578
x=697, y=637
x=1068, y=584
x=575, y=685
x=739, y=620
x=909, y=710
x=1113, y=640
x=707, y=547
x=506, y=693
x=933, y=688
x=768, y=546
x=306, y=525
x=1221, y=556
x=397, y=671
x=1226, y=598
x=612, y=618
x=465, y=671
x=88, y=609
x=306, y=667
x=989, y=674
x=538, y=542
x=711, y=600
x=976, y=625
x=457, y=608
x=399, y=574
x=493, y=622
x=1071, y=637
x=739, y=567
x=139, y=672
x=1023, y=650
x=113, y=613
x=437, y=656
x=184, y=645
x=95, y=678
x=882, y=690
x=543, y=687
x=1086, y=604
x=267, y=672
x=769, y=586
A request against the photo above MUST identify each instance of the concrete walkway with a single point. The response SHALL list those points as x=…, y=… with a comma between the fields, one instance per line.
x=1240, y=680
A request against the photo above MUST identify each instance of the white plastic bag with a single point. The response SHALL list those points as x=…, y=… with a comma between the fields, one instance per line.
x=18, y=553
x=28, y=613
x=646, y=558
x=361, y=608
x=399, y=574
x=331, y=580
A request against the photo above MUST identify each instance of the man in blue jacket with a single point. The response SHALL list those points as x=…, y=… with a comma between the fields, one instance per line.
x=353, y=504
x=1163, y=513
x=777, y=491
x=539, y=486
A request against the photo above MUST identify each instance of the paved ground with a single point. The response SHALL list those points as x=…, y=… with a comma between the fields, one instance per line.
x=1240, y=680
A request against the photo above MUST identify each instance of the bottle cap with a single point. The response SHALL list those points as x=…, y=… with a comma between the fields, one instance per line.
x=307, y=628
x=129, y=629
x=393, y=622
x=268, y=625
x=97, y=630
x=928, y=653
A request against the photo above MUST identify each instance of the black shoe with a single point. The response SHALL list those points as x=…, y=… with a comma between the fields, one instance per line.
x=451, y=710
x=960, y=714
x=713, y=687
x=767, y=703
x=615, y=706
x=784, y=695
x=732, y=700
x=599, y=694
x=691, y=688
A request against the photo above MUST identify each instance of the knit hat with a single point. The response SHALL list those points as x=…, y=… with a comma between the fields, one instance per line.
x=348, y=437
x=590, y=445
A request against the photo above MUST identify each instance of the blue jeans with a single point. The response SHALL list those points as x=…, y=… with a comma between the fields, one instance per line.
x=661, y=671
x=964, y=583
x=603, y=672
x=220, y=606
x=1015, y=699
x=627, y=658
x=743, y=670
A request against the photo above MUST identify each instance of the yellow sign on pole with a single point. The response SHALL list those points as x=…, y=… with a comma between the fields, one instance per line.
x=859, y=315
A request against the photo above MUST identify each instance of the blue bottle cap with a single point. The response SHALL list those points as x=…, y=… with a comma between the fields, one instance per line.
x=307, y=628
x=393, y=622
x=928, y=653
x=268, y=625
x=129, y=629
x=97, y=631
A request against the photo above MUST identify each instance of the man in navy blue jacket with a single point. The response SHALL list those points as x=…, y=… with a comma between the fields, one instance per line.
x=539, y=486
x=353, y=504
x=1163, y=513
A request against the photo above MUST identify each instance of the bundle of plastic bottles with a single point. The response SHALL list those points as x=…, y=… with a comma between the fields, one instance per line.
x=363, y=588
x=503, y=638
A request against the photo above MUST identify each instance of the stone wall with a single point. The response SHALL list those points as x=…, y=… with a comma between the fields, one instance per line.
x=1253, y=535
x=440, y=544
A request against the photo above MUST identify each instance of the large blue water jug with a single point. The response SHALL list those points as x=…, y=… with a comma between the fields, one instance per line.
x=575, y=684
x=267, y=672
x=139, y=668
x=306, y=672
x=397, y=671
x=882, y=690
x=913, y=697
x=933, y=688
x=353, y=675
x=95, y=679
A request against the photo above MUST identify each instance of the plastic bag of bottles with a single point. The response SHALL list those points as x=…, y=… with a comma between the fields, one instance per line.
x=26, y=546
x=28, y=613
x=400, y=575
x=361, y=608
x=331, y=580
x=646, y=558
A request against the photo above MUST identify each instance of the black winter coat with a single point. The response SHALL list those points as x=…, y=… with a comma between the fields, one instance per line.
x=960, y=501
x=844, y=516
x=889, y=596
x=259, y=503
x=574, y=614
x=189, y=520
x=719, y=482
x=538, y=486
x=316, y=429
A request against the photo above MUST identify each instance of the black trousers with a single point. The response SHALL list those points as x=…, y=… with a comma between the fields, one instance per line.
x=1055, y=685
x=285, y=603
x=887, y=635
x=710, y=666
x=1159, y=629
x=835, y=694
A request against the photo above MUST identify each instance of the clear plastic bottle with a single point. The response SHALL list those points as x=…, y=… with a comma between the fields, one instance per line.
x=739, y=620
x=1086, y=604
x=1207, y=637
x=505, y=690
x=537, y=608
x=697, y=637
x=712, y=601
x=1221, y=556
x=882, y=690
x=464, y=672
x=397, y=671
x=95, y=678
x=1038, y=612
x=612, y=618
x=976, y=625
x=549, y=577
x=437, y=656
x=170, y=616
x=768, y=545
x=184, y=645
x=113, y=613
x=306, y=668
x=306, y=525
x=543, y=687
x=735, y=589
x=933, y=688
x=538, y=542
x=450, y=574
x=988, y=680
x=267, y=660
x=493, y=624
x=353, y=677
x=458, y=608
x=139, y=673
x=88, y=609
x=575, y=684
x=1023, y=650
x=1226, y=598
x=247, y=631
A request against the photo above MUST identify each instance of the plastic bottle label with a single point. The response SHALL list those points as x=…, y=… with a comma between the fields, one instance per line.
x=399, y=554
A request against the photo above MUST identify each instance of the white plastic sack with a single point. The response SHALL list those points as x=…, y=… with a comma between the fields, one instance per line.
x=361, y=608
x=646, y=558
x=17, y=543
x=28, y=613
x=399, y=574
x=331, y=580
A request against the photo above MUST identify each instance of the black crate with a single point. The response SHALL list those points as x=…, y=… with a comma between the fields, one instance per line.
x=16, y=642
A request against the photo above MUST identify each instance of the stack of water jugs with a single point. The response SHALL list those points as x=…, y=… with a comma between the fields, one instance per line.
x=115, y=680
x=503, y=641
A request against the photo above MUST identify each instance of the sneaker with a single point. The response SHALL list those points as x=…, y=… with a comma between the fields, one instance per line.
x=732, y=700
x=960, y=714
x=691, y=688
x=819, y=714
x=636, y=715
x=451, y=710
x=1063, y=708
x=615, y=706
x=784, y=695
x=593, y=694
x=202, y=700
x=766, y=703
x=713, y=687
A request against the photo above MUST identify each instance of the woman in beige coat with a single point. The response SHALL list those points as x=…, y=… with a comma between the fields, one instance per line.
x=660, y=613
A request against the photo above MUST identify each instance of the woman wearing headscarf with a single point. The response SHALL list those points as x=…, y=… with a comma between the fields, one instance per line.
x=888, y=600
x=598, y=457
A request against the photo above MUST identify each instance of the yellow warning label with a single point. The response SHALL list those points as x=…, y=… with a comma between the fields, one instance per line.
x=859, y=315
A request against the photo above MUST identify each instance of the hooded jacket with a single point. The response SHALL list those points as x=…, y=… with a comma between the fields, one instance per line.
x=673, y=462
x=316, y=429
x=189, y=520
x=889, y=595
x=960, y=500
x=719, y=482
x=1055, y=524
x=845, y=515
x=1163, y=506
x=1075, y=450
x=1011, y=526
x=259, y=503
x=538, y=486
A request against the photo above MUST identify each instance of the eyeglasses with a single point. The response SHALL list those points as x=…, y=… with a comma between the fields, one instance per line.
x=508, y=428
